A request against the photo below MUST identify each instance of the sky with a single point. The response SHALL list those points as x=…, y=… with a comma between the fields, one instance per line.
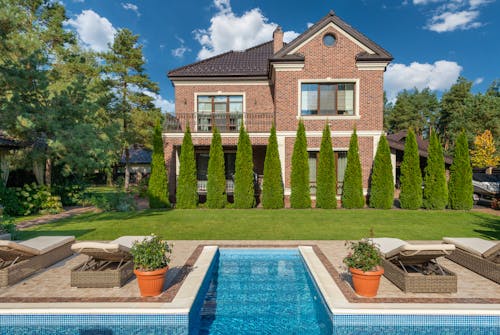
x=433, y=42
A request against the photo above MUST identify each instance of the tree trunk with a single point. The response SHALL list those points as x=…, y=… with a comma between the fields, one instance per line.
x=109, y=177
x=127, y=168
x=48, y=172
x=38, y=172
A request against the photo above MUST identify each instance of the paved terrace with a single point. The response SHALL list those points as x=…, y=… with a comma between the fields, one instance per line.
x=53, y=284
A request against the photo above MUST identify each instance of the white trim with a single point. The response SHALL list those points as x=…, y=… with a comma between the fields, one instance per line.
x=356, y=115
x=288, y=67
x=343, y=32
x=213, y=83
x=282, y=153
x=218, y=93
x=362, y=66
x=317, y=133
x=376, y=139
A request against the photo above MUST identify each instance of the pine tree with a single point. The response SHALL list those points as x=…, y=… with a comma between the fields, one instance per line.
x=460, y=184
x=435, y=187
x=158, y=183
x=272, y=188
x=352, y=192
x=187, y=184
x=216, y=184
x=300, y=197
x=326, y=189
x=411, y=177
x=382, y=179
x=244, y=189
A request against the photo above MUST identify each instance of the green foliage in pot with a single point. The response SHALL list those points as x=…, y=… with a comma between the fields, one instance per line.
x=151, y=254
x=363, y=256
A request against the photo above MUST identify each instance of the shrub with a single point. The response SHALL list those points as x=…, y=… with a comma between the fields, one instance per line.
x=37, y=198
x=460, y=184
x=326, y=189
x=110, y=201
x=363, y=256
x=158, y=183
x=272, y=187
x=352, y=192
x=435, y=187
x=187, y=184
x=216, y=184
x=9, y=201
x=151, y=253
x=382, y=179
x=244, y=188
x=300, y=197
x=7, y=226
x=70, y=195
x=410, y=196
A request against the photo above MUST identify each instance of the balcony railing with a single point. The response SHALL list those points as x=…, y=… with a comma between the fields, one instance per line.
x=225, y=122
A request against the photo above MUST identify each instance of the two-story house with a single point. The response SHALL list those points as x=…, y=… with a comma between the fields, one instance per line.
x=331, y=74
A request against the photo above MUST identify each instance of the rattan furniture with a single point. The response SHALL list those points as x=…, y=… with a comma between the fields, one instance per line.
x=19, y=260
x=478, y=255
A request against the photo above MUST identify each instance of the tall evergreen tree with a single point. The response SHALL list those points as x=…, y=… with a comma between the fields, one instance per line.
x=187, y=184
x=300, y=197
x=158, y=182
x=460, y=185
x=435, y=187
x=272, y=188
x=216, y=184
x=326, y=188
x=244, y=188
x=382, y=179
x=352, y=192
x=410, y=196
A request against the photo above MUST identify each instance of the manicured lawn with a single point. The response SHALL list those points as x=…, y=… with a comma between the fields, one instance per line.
x=258, y=224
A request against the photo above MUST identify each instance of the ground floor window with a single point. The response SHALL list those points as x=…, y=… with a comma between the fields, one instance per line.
x=340, y=165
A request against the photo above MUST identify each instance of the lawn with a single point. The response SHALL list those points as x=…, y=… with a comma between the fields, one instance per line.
x=258, y=224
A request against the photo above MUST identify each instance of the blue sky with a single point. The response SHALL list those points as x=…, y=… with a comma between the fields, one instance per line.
x=432, y=41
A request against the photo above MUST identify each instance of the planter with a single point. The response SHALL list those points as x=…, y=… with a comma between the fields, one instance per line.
x=366, y=283
x=151, y=282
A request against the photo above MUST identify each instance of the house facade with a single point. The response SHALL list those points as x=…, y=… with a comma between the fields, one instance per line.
x=329, y=74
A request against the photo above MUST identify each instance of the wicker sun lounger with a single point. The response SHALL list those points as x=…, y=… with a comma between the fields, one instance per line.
x=478, y=255
x=19, y=260
x=108, y=265
x=413, y=267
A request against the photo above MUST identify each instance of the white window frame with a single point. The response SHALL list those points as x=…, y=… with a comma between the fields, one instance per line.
x=218, y=93
x=356, y=115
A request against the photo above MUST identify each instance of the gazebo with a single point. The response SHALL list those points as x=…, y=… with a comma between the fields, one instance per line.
x=7, y=144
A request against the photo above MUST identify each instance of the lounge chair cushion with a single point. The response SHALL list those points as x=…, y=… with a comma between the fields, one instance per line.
x=476, y=246
x=38, y=245
x=390, y=247
x=121, y=244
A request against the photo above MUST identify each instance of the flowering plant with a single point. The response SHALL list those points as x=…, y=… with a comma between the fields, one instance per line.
x=363, y=256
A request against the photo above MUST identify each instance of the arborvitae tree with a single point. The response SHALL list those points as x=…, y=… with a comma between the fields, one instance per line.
x=216, y=185
x=326, y=189
x=435, y=188
x=382, y=179
x=300, y=197
x=410, y=196
x=460, y=184
x=158, y=183
x=352, y=192
x=187, y=184
x=244, y=190
x=272, y=188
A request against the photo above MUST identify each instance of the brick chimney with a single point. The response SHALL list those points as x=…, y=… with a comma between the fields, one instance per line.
x=277, y=39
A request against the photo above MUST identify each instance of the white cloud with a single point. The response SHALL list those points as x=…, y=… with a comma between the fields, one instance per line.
x=449, y=21
x=228, y=31
x=132, y=7
x=478, y=81
x=166, y=106
x=477, y=3
x=309, y=24
x=180, y=51
x=424, y=2
x=438, y=76
x=93, y=30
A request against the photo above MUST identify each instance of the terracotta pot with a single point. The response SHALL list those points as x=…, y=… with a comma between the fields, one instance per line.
x=151, y=282
x=366, y=283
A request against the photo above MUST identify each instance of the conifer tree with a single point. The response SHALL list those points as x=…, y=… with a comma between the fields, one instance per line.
x=216, y=184
x=272, y=188
x=352, y=192
x=410, y=196
x=187, y=184
x=382, y=179
x=300, y=197
x=435, y=187
x=244, y=189
x=460, y=184
x=326, y=189
x=158, y=183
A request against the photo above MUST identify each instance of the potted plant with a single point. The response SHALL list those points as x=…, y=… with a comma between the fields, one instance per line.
x=151, y=259
x=364, y=264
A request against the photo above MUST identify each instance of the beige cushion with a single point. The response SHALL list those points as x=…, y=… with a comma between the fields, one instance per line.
x=390, y=247
x=123, y=244
x=38, y=245
x=475, y=245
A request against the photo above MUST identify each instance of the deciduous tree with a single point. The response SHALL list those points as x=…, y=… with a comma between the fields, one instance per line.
x=484, y=153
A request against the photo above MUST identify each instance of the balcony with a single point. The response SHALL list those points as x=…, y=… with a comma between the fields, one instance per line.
x=225, y=122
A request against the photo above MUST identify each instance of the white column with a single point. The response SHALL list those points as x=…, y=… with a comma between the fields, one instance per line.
x=282, y=152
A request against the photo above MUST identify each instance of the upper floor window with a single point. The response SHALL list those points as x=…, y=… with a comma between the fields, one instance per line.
x=223, y=111
x=327, y=98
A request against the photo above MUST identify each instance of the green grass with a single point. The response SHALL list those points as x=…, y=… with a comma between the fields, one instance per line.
x=257, y=224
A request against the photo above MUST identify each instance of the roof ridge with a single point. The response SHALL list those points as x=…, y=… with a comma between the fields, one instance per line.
x=201, y=61
x=255, y=46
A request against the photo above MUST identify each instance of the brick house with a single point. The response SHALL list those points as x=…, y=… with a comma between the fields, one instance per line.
x=331, y=73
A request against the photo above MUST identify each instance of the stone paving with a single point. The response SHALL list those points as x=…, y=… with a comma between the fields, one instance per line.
x=53, y=284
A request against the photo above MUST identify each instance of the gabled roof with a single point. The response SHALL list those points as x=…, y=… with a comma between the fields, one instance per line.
x=397, y=142
x=138, y=155
x=379, y=53
x=250, y=62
